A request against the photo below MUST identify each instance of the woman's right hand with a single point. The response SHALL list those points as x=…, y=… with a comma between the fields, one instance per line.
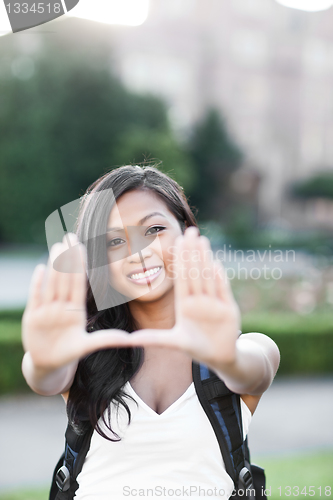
x=54, y=321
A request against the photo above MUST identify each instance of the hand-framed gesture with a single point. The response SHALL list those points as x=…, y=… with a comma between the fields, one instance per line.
x=207, y=316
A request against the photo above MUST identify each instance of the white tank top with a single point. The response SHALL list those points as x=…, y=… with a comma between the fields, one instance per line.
x=174, y=454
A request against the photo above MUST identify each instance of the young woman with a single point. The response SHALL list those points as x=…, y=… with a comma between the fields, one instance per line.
x=119, y=346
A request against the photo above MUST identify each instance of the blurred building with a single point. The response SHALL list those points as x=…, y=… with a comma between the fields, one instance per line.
x=269, y=69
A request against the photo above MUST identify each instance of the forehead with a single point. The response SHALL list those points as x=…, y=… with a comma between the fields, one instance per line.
x=134, y=205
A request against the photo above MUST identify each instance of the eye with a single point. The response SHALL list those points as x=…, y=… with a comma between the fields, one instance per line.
x=154, y=230
x=115, y=242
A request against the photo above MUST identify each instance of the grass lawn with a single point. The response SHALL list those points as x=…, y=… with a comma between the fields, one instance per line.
x=29, y=494
x=298, y=472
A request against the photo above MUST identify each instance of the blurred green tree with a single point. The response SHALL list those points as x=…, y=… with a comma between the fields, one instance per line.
x=65, y=122
x=317, y=186
x=215, y=157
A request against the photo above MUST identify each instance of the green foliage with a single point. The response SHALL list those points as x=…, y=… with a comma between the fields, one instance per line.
x=305, y=343
x=287, y=323
x=11, y=353
x=11, y=378
x=318, y=186
x=11, y=315
x=138, y=145
x=215, y=157
x=240, y=227
x=64, y=126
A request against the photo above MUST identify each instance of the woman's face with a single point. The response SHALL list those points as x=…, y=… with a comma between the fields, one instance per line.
x=140, y=245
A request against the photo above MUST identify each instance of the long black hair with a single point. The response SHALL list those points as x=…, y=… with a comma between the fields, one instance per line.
x=101, y=376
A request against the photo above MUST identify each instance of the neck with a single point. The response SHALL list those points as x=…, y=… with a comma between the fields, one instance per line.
x=158, y=314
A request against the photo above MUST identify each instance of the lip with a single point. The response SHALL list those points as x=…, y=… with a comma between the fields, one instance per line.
x=145, y=280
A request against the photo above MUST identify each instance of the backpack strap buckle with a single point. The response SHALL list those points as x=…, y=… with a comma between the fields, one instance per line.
x=245, y=481
x=62, y=478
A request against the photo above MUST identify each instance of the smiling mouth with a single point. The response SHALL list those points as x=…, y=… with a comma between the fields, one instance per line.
x=142, y=277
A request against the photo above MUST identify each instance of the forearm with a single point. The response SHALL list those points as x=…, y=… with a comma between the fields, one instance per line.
x=254, y=365
x=48, y=382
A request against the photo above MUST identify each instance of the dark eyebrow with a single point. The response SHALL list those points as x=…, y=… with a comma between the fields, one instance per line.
x=149, y=216
x=140, y=223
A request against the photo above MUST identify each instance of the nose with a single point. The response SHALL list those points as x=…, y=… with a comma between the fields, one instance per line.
x=137, y=257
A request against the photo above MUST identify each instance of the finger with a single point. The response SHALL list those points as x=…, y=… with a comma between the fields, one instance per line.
x=191, y=242
x=207, y=270
x=104, y=339
x=51, y=276
x=181, y=282
x=223, y=287
x=72, y=263
x=150, y=337
x=64, y=264
x=35, y=290
x=79, y=280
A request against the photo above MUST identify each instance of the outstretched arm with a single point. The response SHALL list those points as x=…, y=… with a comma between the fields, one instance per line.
x=254, y=366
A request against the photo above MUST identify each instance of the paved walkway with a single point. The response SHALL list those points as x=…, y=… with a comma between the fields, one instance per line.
x=16, y=272
x=293, y=416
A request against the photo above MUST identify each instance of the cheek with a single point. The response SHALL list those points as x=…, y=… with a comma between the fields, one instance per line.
x=168, y=254
x=115, y=274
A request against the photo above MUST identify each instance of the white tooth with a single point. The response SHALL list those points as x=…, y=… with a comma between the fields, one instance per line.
x=146, y=274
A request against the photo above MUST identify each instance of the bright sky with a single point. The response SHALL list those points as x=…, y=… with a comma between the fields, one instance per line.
x=309, y=5
x=128, y=12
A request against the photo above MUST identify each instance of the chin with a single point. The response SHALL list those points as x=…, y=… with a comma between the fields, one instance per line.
x=154, y=295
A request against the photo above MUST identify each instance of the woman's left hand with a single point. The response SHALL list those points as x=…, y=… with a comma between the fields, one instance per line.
x=207, y=316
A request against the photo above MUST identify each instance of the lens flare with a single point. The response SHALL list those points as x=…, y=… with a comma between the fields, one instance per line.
x=307, y=5
x=127, y=12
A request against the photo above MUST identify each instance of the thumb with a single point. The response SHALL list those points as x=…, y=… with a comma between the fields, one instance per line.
x=105, y=339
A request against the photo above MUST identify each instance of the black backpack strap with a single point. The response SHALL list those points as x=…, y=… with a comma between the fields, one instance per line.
x=64, y=484
x=222, y=408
